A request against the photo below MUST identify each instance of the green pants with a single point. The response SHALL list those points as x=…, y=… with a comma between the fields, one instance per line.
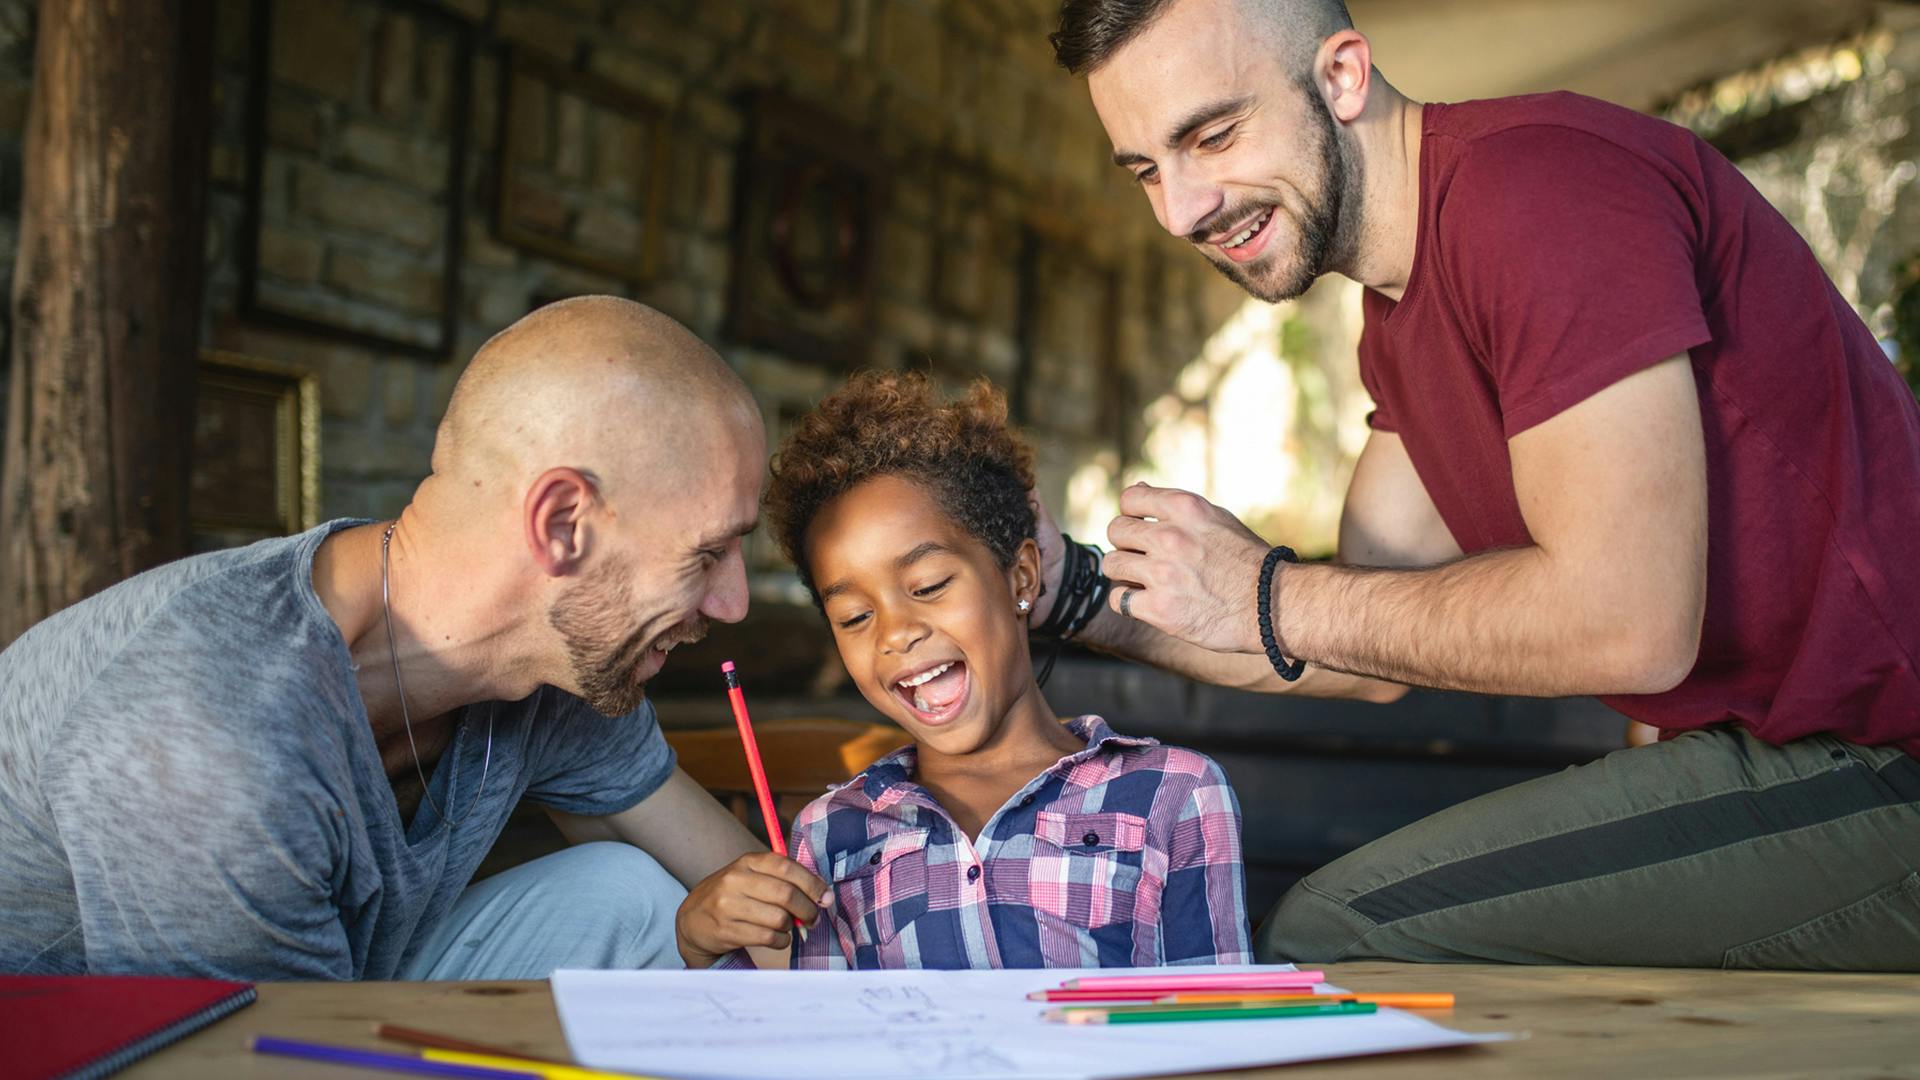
x=1713, y=849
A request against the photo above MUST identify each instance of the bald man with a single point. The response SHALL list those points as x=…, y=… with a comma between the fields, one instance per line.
x=285, y=761
x=1629, y=442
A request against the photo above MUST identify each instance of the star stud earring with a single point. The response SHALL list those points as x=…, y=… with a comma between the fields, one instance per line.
x=1024, y=606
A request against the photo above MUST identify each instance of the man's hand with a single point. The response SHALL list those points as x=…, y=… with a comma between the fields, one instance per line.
x=1191, y=569
x=752, y=901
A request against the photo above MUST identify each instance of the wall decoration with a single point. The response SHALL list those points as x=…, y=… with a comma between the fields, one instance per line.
x=356, y=141
x=582, y=169
x=804, y=245
x=256, y=450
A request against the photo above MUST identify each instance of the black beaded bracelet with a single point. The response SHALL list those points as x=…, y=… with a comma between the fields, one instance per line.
x=1286, y=670
x=1083, y=591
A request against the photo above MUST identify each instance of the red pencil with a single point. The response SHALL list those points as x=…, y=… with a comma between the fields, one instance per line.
x=738, y=699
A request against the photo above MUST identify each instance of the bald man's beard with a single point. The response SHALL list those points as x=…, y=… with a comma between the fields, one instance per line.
x=1328, y=221
x=605, y=654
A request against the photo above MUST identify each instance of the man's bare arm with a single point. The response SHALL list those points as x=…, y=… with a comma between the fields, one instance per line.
x=1609, y=598
x=1388, y=520
x=684, y=828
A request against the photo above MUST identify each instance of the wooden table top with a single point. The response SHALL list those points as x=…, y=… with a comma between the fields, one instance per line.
x=1578, y=1022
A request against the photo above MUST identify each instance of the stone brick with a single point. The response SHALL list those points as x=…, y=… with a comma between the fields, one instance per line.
x=292, y=124
x=346, y=384
x=399, y=155
x=908, y=323
x=317, y=46
x=483, y=115
x=810, y=67
x=435, y=84
x=538, y=209
x=445, y=377
x=399, y=386
x=497, y=303
x=714, y=115
x=659, y=33
x=391, y=282
x=533, y=24
x=482, y=250
x=608, y=229
x=393, y=87
x=290, y=255
x=822, y=18
x=471, y=10
x=907, y=47
x=529, y=120
x=570, y=136
x=619, y=156
x=366, y=206
x=727, y=21
x=649, y=78
x=716, y=203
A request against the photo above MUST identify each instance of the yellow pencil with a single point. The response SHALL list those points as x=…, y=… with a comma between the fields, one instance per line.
x=545, y=1069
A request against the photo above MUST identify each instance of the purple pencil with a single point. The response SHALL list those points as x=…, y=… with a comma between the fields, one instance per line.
x=376, y=1059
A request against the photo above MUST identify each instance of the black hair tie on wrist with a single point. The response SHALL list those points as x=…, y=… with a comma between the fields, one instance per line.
x=1083, y=591
x=1289, y=671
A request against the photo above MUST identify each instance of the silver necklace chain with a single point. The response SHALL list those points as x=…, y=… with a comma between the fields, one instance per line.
x=393, y=652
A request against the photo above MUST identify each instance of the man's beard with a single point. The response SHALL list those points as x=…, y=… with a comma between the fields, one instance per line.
x=590, y=617
x=1328, y=223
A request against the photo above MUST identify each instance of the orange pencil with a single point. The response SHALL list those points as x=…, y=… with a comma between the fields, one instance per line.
x=1393, y=1001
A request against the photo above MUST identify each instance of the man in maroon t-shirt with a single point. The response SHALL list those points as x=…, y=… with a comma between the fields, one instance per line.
x=1630, y=442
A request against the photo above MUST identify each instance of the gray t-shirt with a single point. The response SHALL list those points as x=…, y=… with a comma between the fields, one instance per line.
x=189, y=786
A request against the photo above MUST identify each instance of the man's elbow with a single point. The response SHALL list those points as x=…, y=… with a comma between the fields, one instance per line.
x=1653, y=659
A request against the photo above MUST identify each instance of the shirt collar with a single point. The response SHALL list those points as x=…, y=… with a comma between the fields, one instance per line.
x=888, y=777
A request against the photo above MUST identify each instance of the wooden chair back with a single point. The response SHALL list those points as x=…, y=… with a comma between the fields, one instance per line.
x=803, y=757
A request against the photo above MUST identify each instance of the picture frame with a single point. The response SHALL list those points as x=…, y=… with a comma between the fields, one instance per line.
x=598, y=205
x=807, y=214
x=256, y=449
x=311, y=184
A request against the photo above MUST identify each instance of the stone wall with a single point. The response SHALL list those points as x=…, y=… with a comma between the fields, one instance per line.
x=984, y=144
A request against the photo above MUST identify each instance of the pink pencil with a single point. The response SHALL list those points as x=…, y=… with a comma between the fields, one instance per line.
x=1239, y=980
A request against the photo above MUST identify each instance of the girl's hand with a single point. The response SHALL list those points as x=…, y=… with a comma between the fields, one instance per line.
x=753, y=900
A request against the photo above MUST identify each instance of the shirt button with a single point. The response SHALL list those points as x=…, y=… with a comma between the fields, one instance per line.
x=1028, y=801
x=1091, y=839
x=973, y=872
x=875, y=861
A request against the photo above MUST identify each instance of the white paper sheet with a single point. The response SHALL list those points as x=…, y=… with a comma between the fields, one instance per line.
x=924, y=1025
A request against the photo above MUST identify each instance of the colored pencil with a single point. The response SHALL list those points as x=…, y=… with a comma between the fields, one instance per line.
x=435, y=1041
x=1178, y=1014
x=1174, y=984
x=1393, y=1001
x=1150, y=994
x=380, y=1059
x=738, y=699
x=513, y=1066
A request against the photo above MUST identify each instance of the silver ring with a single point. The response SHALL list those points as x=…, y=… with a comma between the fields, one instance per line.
x=1126, y=601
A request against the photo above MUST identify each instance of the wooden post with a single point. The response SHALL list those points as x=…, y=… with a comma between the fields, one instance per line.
x=106, y=301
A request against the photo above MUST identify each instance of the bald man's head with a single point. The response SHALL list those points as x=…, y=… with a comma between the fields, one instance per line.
x=605, y=465
x=1091, y=31
x=599, y=383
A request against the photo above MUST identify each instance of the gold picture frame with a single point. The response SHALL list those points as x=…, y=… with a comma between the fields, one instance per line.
x=256, y=449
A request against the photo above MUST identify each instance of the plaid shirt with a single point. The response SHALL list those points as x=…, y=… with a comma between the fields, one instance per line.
x=1125, y=854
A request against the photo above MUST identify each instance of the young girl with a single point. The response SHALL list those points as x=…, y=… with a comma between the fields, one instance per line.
x=1002, y=837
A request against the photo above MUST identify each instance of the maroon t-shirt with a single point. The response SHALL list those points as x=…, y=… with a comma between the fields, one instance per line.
x=1564, y=244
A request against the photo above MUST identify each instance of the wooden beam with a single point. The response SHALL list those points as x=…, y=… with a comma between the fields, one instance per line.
x=106, y=301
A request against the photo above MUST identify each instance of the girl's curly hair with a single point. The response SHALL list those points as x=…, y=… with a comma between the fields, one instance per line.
x=885, y=423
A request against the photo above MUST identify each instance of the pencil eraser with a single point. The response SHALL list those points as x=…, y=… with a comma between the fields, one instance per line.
x=726, y=668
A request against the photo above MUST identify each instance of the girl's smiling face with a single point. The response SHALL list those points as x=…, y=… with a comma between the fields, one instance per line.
x=926, y=620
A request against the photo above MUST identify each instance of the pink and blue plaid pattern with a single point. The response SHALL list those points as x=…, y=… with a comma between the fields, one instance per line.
x=1126, y=854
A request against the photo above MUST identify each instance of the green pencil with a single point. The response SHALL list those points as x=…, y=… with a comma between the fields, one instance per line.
x=1230, y=1012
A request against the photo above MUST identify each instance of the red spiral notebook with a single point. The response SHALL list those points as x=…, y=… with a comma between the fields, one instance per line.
x=78, y=1027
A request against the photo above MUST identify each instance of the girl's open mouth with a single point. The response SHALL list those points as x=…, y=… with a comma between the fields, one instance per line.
x=936, y=694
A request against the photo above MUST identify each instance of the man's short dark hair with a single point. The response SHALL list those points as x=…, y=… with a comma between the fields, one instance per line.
x=1091, y=31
